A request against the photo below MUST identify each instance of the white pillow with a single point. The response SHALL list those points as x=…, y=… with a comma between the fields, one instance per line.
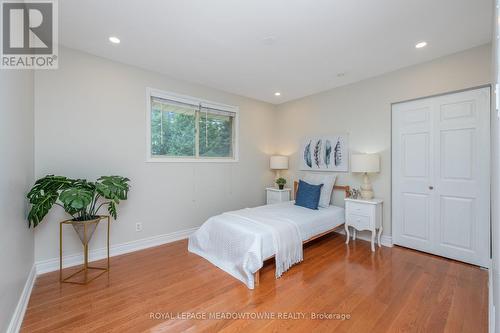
x=326, y=191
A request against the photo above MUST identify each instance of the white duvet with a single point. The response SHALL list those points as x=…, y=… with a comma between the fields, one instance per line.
x=238, y=242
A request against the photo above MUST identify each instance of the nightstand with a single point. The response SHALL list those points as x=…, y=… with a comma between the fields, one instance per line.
x=363, y=215
x=275, y=195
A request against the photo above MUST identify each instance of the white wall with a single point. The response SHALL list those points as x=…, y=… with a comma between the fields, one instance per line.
x=363, y=110
x=90, y=121
x=16, y=166
x=495, y=182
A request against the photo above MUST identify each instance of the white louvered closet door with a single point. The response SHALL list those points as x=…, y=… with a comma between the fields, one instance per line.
x=440, y=175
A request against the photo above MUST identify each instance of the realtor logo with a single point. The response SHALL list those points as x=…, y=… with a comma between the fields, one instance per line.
x=29, y=34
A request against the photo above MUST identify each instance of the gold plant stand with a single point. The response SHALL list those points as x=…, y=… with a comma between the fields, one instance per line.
x=85, y=230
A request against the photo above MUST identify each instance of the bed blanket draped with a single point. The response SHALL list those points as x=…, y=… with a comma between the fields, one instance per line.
x=233, y=242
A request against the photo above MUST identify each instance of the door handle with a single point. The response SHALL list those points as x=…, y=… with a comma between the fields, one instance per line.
x=431, y=187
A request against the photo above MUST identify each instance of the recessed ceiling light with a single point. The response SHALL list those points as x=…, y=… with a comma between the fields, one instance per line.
x=277, y=93
x=114, y=40
x=269, y=40
x=420, y=45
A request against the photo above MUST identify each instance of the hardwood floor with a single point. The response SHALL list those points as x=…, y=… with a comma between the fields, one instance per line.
x=391, y=290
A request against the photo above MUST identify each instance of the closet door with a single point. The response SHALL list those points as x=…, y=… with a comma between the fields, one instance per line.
x=413, y=174
x=441, y=175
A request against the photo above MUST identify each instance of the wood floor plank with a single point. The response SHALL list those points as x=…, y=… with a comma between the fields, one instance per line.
x=392, y=289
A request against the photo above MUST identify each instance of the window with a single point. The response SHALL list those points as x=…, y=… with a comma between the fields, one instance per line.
x=181, y=129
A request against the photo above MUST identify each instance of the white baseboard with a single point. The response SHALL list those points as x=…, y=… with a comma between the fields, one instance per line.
x=50, y=265
x=491, y=304
x=17, y=317
x=384, y=240
x=493, y=296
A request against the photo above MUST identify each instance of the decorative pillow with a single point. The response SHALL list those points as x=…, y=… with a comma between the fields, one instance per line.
x=308, y=195
x=328, y=182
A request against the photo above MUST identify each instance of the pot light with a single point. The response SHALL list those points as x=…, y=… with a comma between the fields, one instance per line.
x=420, y=45
x=114, y=40
x=269, y=40
x=277, y=93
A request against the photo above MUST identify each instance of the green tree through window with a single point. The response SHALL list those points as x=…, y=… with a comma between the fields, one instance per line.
x=184, y=130
x=216, y=135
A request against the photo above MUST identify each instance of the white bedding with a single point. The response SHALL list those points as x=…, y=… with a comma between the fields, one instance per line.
x=310, y=222
x=239, y=245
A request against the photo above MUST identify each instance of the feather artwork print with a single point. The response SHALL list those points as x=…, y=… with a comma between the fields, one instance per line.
x=328, y=152
x=337, y=152
x=307, y=155
x=317, y=153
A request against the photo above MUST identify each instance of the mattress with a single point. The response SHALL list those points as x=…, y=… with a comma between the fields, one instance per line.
x=310, y=222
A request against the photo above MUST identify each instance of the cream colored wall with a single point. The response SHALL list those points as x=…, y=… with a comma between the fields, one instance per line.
x=90, y=121
x=363, y=110
x=16, y=167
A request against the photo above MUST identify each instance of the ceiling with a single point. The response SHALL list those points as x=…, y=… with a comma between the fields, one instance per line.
x=255, y=48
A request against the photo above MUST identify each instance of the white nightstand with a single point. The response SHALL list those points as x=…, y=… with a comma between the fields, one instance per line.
x=275, y=195
x=363, y=215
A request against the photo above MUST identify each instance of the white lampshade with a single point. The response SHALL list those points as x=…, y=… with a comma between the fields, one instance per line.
x=365, y=163
x=278, y=162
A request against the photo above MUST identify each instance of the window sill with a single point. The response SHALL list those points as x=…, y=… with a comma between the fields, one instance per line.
x=190, y=160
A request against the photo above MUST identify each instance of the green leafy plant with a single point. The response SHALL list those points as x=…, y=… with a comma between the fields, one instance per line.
x=78, y=197
x=281, y=181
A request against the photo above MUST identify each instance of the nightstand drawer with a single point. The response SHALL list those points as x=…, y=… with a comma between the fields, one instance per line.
x=360, y=209
x=361, y=214
x=359, y=222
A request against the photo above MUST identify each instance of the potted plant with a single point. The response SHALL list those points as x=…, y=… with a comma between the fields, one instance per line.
x=78, y=197
x=281, y=182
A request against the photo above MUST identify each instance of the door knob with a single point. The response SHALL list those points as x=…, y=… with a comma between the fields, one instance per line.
x=431, y=187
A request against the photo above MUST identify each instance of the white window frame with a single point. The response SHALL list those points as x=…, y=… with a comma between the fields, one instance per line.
x=152, y=92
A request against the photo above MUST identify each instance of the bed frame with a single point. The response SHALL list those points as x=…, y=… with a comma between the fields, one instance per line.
x=345, y=189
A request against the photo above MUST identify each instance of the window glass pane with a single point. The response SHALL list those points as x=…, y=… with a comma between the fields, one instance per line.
x=216, y=134
x=172, y=129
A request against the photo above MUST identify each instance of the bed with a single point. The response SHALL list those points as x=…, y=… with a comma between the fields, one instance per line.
x=239, y=242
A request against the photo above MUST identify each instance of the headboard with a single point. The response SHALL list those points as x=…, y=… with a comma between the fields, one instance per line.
x=345, y=189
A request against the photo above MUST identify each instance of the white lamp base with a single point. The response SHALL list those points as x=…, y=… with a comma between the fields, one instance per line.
x=366, y=188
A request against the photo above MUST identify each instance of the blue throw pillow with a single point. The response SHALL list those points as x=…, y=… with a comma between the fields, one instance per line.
x=308, y=195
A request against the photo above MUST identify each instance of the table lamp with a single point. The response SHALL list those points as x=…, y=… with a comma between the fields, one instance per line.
x=278, y=162
x=365, y=163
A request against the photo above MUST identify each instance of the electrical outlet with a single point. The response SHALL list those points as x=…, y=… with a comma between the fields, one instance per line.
x=138, y=227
